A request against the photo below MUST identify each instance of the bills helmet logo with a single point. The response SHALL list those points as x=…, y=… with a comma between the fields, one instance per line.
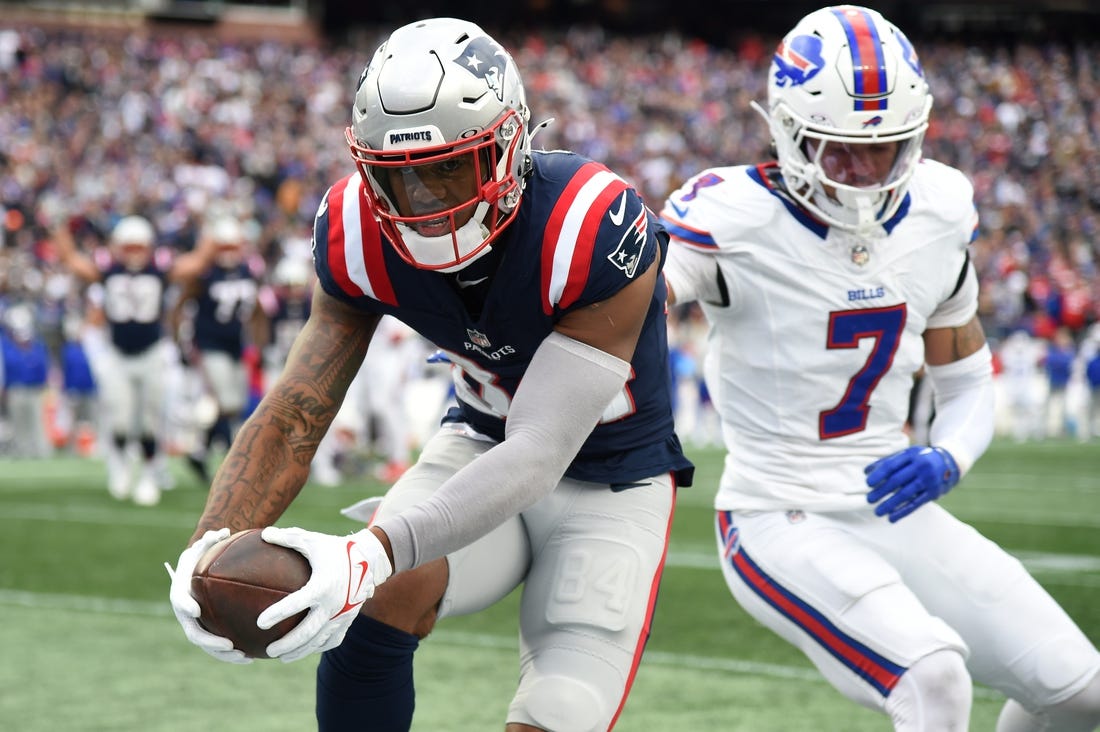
x=798, y=61
x=909, y=54
x=487, y=60
x=873, y=122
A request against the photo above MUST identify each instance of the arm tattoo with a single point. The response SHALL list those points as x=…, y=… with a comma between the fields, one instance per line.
x=270, y=457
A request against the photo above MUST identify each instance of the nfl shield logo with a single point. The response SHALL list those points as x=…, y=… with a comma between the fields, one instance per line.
x=478, y=338
x=860, y=255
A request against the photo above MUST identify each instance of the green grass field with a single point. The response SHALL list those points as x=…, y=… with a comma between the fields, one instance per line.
x=89, y=641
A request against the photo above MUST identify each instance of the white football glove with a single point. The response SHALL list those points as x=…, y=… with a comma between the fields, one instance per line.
x=187, y=609
x=346, y=569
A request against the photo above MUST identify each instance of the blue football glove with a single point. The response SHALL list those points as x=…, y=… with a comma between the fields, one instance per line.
x=911, y=478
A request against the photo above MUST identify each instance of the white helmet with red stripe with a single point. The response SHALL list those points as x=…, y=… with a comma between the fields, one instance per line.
x=848, y=107
x=440, y=135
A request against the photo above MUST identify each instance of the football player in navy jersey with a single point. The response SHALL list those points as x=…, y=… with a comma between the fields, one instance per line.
x=133, y=276
x=224, y=319
x=538, y=274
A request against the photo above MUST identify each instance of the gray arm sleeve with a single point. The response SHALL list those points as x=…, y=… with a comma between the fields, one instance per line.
x=564, y=391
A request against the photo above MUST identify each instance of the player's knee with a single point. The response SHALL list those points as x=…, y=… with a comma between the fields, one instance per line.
x=934, y=693
x=564, y=703
x=1080, y=712
x=410, y=600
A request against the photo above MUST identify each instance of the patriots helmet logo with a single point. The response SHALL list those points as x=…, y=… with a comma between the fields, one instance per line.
x=486, y=59
x=798, y=60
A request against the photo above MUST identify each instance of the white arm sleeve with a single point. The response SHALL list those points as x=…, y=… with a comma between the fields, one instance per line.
x=693, y=275
x=963, y=424
x=564, y=391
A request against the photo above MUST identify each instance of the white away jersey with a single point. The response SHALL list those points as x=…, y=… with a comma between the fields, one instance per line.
x=815, y=335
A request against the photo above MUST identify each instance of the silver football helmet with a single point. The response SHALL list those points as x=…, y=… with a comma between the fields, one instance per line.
x=848, y=107
x=440, y=135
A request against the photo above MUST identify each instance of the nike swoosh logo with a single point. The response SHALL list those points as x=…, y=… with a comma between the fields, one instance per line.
x=619, y=487
x=681, y=212
x=363, y=568
x=463, y=283
x=617, y=216
x=324, y=207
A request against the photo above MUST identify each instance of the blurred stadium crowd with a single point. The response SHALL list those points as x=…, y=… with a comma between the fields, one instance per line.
x=99, y=124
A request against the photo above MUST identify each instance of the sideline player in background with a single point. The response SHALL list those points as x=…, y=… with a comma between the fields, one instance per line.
x=130, y=369
x=538, y=274
x=829, y=280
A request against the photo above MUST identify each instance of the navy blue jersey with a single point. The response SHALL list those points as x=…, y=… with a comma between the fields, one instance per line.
x=226, y=299
x=581, y=235
x=133, y=303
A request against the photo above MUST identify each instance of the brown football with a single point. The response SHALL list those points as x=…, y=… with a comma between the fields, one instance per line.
x=240, y=577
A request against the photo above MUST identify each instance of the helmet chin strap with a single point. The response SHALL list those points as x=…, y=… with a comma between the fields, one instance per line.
x=432, y=251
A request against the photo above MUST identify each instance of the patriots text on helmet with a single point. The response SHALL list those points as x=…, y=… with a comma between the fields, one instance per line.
x=419, y=136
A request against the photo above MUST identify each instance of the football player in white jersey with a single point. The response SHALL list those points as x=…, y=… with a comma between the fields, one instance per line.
x=829, y=279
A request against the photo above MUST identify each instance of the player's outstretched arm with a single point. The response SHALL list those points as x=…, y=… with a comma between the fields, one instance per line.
x=266, y=467
x=77, y=262
x=188, y=267
x=269, y=460
x=572, y=377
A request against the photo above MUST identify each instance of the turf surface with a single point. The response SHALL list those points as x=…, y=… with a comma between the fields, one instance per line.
x=89, y=641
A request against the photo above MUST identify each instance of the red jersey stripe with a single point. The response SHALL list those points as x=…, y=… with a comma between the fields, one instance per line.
x=373, y=260
x=337, y=263
x=586, y=242
x=554, y=226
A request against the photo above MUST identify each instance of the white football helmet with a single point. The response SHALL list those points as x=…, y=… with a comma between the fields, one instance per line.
x=292, y=272
x=131, y=242
x=229, y=240
x=441, y=98
x=20, y=322
x=842, y=82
